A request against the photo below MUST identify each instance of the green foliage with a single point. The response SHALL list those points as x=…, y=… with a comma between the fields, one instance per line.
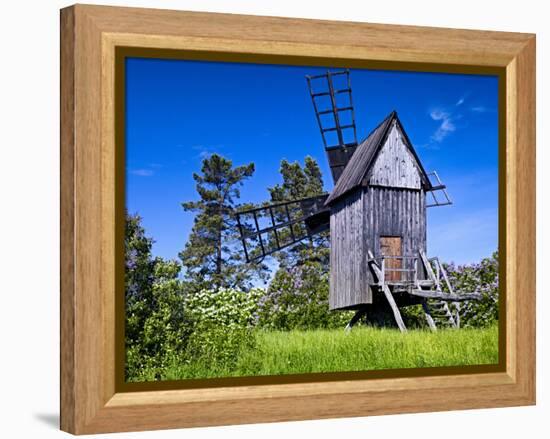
x=414, y=317
x=481, y=278
x=139, y=277
x=300, y=182
x=212, y=256
x=297, y=298
x=156, y=327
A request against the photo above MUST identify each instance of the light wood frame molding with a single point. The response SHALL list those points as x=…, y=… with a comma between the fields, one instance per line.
x=90, y=402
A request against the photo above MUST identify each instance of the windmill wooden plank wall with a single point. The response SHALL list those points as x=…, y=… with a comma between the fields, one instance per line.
x=349, y=274
x=390, y=202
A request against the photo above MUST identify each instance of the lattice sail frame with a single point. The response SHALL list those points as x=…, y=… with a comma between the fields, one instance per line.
x=267, y=229
x=329, y=90
x=438, y=187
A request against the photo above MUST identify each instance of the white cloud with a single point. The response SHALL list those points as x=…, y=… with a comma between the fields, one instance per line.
x=142, y=172
x=446, y=126
x=459, y=102
x=479, y=109
x=205, y=151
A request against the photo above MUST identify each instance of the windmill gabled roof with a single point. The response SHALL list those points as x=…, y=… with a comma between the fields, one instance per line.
x=364, y=157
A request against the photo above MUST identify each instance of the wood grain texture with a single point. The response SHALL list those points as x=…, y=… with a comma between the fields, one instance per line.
x=395, y=166
x=349, y=273
x=67, y=253
x=90, y=34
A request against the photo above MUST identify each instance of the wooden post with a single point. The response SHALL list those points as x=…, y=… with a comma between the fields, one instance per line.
x=428, y=267
x=428, y=315
x=360, y=312
x=389, y=297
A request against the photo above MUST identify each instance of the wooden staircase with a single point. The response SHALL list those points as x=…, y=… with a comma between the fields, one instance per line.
x=439, y=312
x=440, y=303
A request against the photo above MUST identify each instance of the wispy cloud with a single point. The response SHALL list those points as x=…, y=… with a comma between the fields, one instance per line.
x=142, y=172
x=446, y=124
x=481, y=109
x=447, y=117
x=204, y=151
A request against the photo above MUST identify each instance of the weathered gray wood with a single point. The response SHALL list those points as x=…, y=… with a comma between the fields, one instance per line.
x=388, y=294
x=450, y=317
x=430, y=294
x=394, y=308
x=395, y=165
x=349, y=279
x=428, y=267
x=390, y=203
x=456, y=315
x=428, y=315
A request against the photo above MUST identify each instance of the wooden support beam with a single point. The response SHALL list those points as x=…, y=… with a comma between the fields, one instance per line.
x=428, y=267
x=387, y=292
x=394, y=308
x=428, y=315
x=430, y=294
x=360, y=313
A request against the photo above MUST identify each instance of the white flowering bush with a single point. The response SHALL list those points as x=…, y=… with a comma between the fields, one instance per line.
x=224, y=308
x=222, y=326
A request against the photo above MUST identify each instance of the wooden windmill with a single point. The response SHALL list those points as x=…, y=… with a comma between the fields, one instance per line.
x=376, y=214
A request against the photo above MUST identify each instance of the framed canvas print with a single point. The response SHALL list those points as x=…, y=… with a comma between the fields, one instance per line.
x=269, y=219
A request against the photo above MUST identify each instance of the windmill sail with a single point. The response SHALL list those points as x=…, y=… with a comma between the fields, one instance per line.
x=273, y=227
x=438, y=192
x=333, y=104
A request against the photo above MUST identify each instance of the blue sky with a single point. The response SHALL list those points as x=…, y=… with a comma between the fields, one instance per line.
x=178, y=112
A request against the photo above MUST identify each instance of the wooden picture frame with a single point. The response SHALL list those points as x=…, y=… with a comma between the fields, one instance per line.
x=92, y=399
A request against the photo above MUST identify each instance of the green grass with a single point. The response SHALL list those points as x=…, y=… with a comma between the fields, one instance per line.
x=298, y=352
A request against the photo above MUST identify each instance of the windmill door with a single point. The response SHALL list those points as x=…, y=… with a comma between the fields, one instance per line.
x=391, y=248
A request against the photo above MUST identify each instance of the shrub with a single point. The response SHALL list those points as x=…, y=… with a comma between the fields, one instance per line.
x=225, y=307
x=164, y=329
x=479, y=278
x=222, y=326
x=297, y=298
x=155, y=328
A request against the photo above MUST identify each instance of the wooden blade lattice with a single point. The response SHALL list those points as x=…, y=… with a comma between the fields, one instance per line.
x=267, y=229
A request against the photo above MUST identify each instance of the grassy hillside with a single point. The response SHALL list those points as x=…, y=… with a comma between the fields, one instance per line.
x=292, y=352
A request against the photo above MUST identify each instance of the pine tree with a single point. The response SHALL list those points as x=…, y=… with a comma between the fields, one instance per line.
x=301, y=182
x=139, y=278
x=213, y=255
